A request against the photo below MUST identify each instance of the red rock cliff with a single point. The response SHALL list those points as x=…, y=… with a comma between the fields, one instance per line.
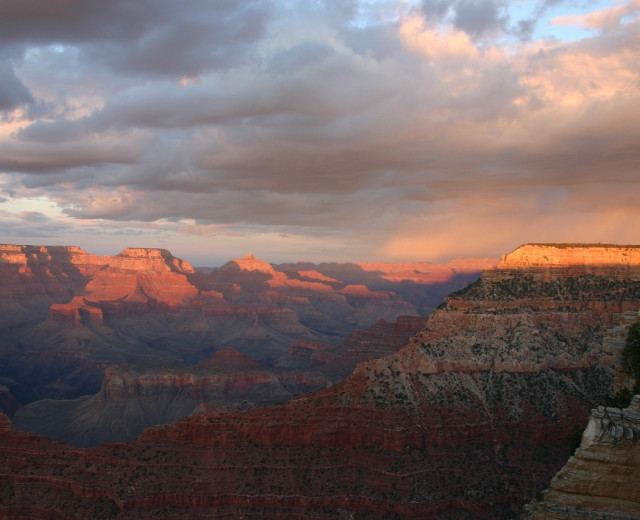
x=625, y=260
x=33, y=277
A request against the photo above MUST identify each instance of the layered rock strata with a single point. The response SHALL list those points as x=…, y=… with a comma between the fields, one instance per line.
x=132, y=398
x=601, y=479
x=34, y=277
x=595, y=257
x=65, y=315
x=133, y=282
x=468, y=420
x=403, y=279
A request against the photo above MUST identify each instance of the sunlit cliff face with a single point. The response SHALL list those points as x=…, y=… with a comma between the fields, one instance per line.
x=345, y=131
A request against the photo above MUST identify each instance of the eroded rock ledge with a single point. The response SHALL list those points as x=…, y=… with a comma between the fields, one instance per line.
x=612, y=425
x=601, y=480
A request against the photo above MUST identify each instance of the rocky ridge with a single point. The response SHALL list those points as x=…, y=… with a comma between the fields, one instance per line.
x=404, y=279
x=34, y=277
x=133, y=282
x=601, y=479
x=468, y=420
x=66, y=315
x=133, y=397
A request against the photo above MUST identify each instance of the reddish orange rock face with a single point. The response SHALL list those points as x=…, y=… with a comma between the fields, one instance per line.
x=576, y=258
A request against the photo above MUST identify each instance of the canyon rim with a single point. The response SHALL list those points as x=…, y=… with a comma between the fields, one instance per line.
x=469, y=419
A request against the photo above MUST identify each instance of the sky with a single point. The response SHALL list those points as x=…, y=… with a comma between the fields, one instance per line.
x=319, y=130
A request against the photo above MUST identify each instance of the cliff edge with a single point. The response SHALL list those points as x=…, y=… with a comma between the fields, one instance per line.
x=576, y=258
x=601, y=479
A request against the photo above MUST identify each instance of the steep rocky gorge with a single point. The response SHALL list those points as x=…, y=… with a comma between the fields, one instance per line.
x=133, y=397
x=66, y=314
x=468, y=420
x=68, y=318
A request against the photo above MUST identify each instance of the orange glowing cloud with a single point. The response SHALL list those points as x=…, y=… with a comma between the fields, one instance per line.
x=605, y=19
x=437, y=45
x=486, y=225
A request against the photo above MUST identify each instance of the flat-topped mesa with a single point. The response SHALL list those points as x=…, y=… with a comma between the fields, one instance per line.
x=149, y=259
x=568, y=255
x=249, y=263
x=131, y=258
x=26, y=256
x=37, y=276
x=150, y=277
x=11, y=253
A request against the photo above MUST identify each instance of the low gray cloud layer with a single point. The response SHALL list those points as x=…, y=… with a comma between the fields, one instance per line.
x=13, y=93
x=423, y=131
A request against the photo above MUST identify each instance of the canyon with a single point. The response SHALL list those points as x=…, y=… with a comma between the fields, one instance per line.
x=74, y=326
x=469, y=419
x=133, y=397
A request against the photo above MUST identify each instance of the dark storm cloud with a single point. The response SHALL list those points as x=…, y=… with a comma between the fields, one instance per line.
x=78, y=21
x=524, y=29
x=232, y=207
x=543, y=5
x=187, y=46
x=482, y=18
x=379, y=42
x=306, y=54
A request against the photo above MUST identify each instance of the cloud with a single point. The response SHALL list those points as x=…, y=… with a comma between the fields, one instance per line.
x=524, y=29
x=476, y=19
x=436, y=44
x=57, y=131
x=604, y=20
x=421, y=135
x=157, y=37
x=485, y=222
x=13, y=92
x=479, y=18
x=45, y=156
